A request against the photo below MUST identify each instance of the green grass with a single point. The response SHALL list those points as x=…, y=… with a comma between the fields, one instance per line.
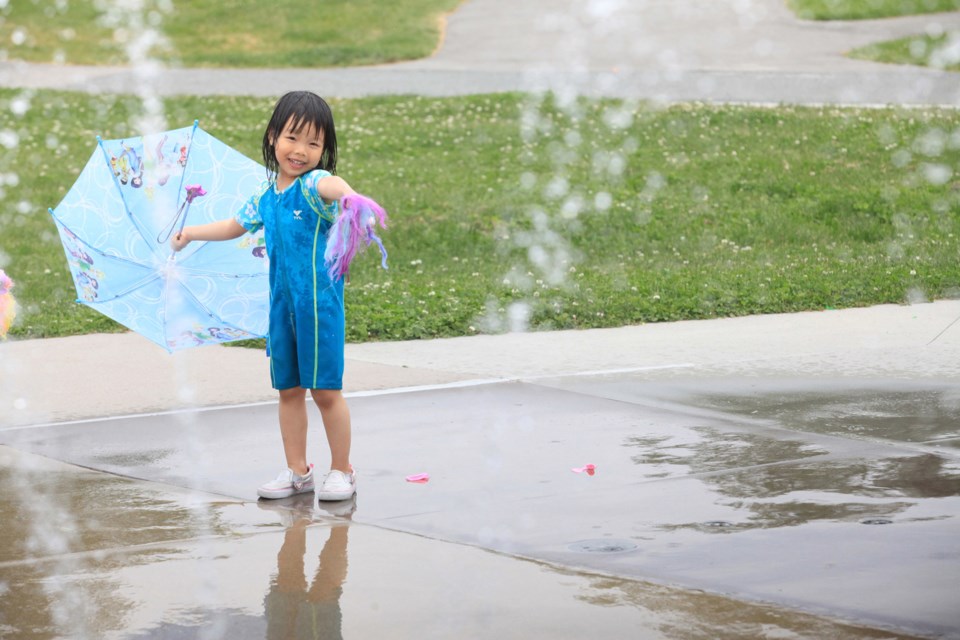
x=867, y=9
x=591, y=214
x=281, y=33
x=923, y=50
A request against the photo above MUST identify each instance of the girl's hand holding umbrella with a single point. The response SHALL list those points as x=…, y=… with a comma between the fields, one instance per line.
x=226, y=229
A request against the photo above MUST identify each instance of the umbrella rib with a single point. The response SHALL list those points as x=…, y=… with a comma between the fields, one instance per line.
x=183, y=174
x=199, y=271
x=137, y=285
x=97, y=250
x=180, y=217
x=150, y=277
x=220, y=274
x=126, y=207
x=104, y=254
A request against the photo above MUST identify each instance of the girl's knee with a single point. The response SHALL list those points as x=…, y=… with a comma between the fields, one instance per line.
x=326, y=398
x=294, y=394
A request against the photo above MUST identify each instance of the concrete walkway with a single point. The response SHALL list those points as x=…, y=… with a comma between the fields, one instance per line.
x=718, y=51
x=46, y=381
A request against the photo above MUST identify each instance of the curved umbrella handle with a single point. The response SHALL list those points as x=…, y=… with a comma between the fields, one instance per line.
x=193, y=191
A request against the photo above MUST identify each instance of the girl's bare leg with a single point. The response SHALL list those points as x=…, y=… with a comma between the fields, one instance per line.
x=293, y=428
x=336, y=421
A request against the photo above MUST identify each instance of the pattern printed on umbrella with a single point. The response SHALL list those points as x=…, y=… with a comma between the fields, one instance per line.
x=116, y=221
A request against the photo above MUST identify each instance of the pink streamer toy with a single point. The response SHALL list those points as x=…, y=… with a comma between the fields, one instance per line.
x=8, y=306
x=419, y=478
x=588, y=469
x=353, y=231
x=194, y=191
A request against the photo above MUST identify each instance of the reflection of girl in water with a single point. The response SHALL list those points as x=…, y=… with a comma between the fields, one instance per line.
x=296, y=610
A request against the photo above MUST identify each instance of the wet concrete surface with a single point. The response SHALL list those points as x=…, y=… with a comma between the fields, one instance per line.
x=215, y=568
x=739, y=463
x=720, y=507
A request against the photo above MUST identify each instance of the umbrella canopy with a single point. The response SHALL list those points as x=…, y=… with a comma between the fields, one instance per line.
x=116, y=221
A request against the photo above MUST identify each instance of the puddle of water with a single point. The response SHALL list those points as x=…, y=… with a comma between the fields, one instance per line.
x=914, y=415
x=355, y=581
x=701, y=449
x=60, y=508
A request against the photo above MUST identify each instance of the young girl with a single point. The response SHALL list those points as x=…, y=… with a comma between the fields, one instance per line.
x=306, y=336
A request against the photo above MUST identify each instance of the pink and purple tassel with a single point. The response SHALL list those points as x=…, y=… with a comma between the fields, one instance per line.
x=352, y=232
x=8, y=306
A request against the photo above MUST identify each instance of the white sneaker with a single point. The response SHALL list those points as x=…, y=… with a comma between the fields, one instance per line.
x=338, y=486
x=287, y=484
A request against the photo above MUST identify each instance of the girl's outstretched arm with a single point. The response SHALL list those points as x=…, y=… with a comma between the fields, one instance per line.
x=333, y=188
x=226, y=229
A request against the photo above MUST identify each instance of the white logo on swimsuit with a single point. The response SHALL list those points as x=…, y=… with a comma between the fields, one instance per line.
x=296, y=214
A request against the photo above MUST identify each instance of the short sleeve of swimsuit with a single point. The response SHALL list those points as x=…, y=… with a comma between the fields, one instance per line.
x=310, y=183
x=249, y=216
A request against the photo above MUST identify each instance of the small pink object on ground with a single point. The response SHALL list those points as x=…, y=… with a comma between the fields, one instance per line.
x=589, y=469
x=419, y=478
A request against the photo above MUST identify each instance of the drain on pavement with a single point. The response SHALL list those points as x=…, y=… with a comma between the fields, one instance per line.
x=606, y=545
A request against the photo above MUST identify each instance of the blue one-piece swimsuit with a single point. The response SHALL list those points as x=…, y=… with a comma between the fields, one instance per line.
x=306, y=332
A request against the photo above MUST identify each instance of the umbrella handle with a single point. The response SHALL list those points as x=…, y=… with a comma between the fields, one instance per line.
x=181, y=217
x=193, y=191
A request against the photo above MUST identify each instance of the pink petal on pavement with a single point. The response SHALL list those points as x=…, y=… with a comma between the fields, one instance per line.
x=419, y=478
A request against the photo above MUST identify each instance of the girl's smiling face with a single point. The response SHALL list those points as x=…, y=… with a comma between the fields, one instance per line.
x=297, y=152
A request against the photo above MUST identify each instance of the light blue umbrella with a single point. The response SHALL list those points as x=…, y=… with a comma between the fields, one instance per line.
x=116, y=221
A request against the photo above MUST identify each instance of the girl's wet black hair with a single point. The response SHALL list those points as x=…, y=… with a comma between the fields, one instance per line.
x=306, y=109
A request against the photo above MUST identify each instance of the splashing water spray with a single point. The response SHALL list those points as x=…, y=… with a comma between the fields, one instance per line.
x=51, y=531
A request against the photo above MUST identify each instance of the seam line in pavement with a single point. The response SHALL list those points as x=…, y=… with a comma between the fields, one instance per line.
x=355, y=394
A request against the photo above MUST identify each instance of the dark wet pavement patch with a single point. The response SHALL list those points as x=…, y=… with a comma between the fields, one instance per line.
x=355, y=581
x=878, y=411
x=603, y=545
